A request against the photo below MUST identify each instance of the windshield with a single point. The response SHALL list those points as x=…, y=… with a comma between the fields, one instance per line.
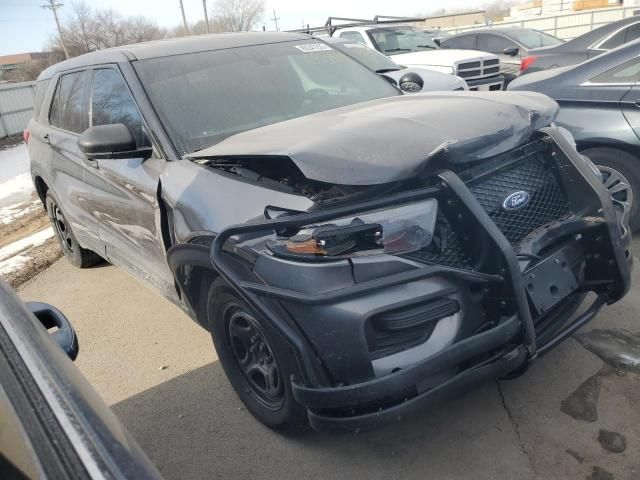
x=367, y=56
x=534, y=39
x=395, y=40
x=203, y=98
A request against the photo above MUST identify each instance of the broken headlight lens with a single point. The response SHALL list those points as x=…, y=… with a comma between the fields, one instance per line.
x=394, y=230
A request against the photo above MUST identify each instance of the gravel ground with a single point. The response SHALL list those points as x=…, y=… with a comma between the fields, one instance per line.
x=574, y=415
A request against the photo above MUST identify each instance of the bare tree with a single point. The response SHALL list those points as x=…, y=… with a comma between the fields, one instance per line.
x=86, y=30
x=497, y=9
x=238, y=15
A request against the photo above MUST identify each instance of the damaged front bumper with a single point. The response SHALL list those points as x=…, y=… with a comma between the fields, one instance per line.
x=508, y=303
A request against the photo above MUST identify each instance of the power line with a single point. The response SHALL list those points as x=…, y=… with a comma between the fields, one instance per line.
x=53, y=6
x=184, y=19
x=206, y=15
x=275, y=20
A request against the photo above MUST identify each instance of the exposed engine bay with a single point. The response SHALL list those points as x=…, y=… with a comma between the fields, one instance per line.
x=281, y=174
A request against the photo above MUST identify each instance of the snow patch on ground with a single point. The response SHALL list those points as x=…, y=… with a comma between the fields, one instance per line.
x=13, y=161
x=17, y=186
x=10, y=213
x=16, y=255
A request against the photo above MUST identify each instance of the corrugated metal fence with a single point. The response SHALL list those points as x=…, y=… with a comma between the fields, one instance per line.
x=16, y=107
x=564, y=25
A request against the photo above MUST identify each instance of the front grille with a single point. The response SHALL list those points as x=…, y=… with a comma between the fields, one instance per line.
x=547, y=201
x=478, y=69
x=465, y=66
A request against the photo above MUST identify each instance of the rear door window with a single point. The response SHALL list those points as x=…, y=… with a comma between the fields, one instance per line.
x=112, y=103
x=467, y=42
x=626, y=74
x=493, y=43
x=69, y=109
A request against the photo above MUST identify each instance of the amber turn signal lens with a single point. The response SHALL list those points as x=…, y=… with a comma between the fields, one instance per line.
x=308, y=246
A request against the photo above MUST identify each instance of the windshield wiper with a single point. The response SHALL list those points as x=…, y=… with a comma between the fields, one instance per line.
x=427, y=46
x=397, y=50
x=385, y=70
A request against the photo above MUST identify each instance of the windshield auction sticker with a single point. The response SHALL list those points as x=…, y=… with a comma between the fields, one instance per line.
x=313, y=47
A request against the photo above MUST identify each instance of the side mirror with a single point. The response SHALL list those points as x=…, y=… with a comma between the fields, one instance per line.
x=437, y=42
x=411, y=82
x=64, y=335
x=110, y=141
x=511, y=51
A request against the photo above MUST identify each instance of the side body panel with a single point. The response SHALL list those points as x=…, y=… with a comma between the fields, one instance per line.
x=630, y=105
x=67, y=170
x=205, y=201
x=594, y=116
x=126, y=205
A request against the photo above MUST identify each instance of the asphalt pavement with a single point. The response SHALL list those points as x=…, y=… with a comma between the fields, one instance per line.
x=574, y=414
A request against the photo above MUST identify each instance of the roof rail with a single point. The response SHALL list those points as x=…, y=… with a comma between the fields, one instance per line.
x=330, y=28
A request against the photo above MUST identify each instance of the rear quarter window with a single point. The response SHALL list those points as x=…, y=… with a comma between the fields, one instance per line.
x=40, y=91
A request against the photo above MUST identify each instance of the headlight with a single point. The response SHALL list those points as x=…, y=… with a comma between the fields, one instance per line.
x=395, y=230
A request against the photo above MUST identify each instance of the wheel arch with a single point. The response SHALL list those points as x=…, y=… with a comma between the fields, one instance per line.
x=609, y=144
x=41, y=189
x=193, y=272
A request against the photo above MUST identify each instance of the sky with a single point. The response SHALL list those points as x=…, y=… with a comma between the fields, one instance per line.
x=26, y=27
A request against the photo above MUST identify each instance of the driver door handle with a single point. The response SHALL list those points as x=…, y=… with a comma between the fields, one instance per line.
x=46, y=138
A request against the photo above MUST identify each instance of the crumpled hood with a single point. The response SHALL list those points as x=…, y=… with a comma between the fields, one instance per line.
x=394, y=138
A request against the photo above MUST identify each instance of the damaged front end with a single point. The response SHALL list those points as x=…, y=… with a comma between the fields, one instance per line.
x=392, y=303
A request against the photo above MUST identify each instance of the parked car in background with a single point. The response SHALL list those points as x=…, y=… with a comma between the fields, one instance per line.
x=356, y=253
x=582, y=48
x=599, y=102
x=410, y=80
x=410, y=47
x=52, y=423
x=511, y=45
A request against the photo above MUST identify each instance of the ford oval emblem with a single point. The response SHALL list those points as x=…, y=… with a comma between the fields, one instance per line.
x=515, y=200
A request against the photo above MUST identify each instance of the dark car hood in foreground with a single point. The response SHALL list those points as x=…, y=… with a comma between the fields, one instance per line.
x=393, y=138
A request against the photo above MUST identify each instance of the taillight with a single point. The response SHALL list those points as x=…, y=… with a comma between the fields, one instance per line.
x=26, y=134
x=527, y=62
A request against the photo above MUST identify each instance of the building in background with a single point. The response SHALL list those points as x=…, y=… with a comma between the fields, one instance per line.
x=453, y=20
x=537, y=8
x=22, y=66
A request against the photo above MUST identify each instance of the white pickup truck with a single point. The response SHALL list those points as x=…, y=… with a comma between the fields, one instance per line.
x=410, y=47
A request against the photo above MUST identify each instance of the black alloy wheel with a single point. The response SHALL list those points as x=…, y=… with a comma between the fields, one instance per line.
x=254, y=357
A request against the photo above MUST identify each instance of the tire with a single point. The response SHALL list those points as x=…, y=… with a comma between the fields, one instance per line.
x=71, y=249
x=612, y=163
x=242, y=344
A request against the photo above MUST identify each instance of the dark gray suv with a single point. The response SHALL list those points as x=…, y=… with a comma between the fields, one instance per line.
x=357, y=254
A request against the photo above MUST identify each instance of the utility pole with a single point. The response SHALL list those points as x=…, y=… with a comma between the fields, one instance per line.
x=275, y=20
x=184, y=19
x=206, y=15
x=53, y=6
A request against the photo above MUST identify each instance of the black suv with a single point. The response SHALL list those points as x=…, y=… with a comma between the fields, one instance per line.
x=356, y=253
